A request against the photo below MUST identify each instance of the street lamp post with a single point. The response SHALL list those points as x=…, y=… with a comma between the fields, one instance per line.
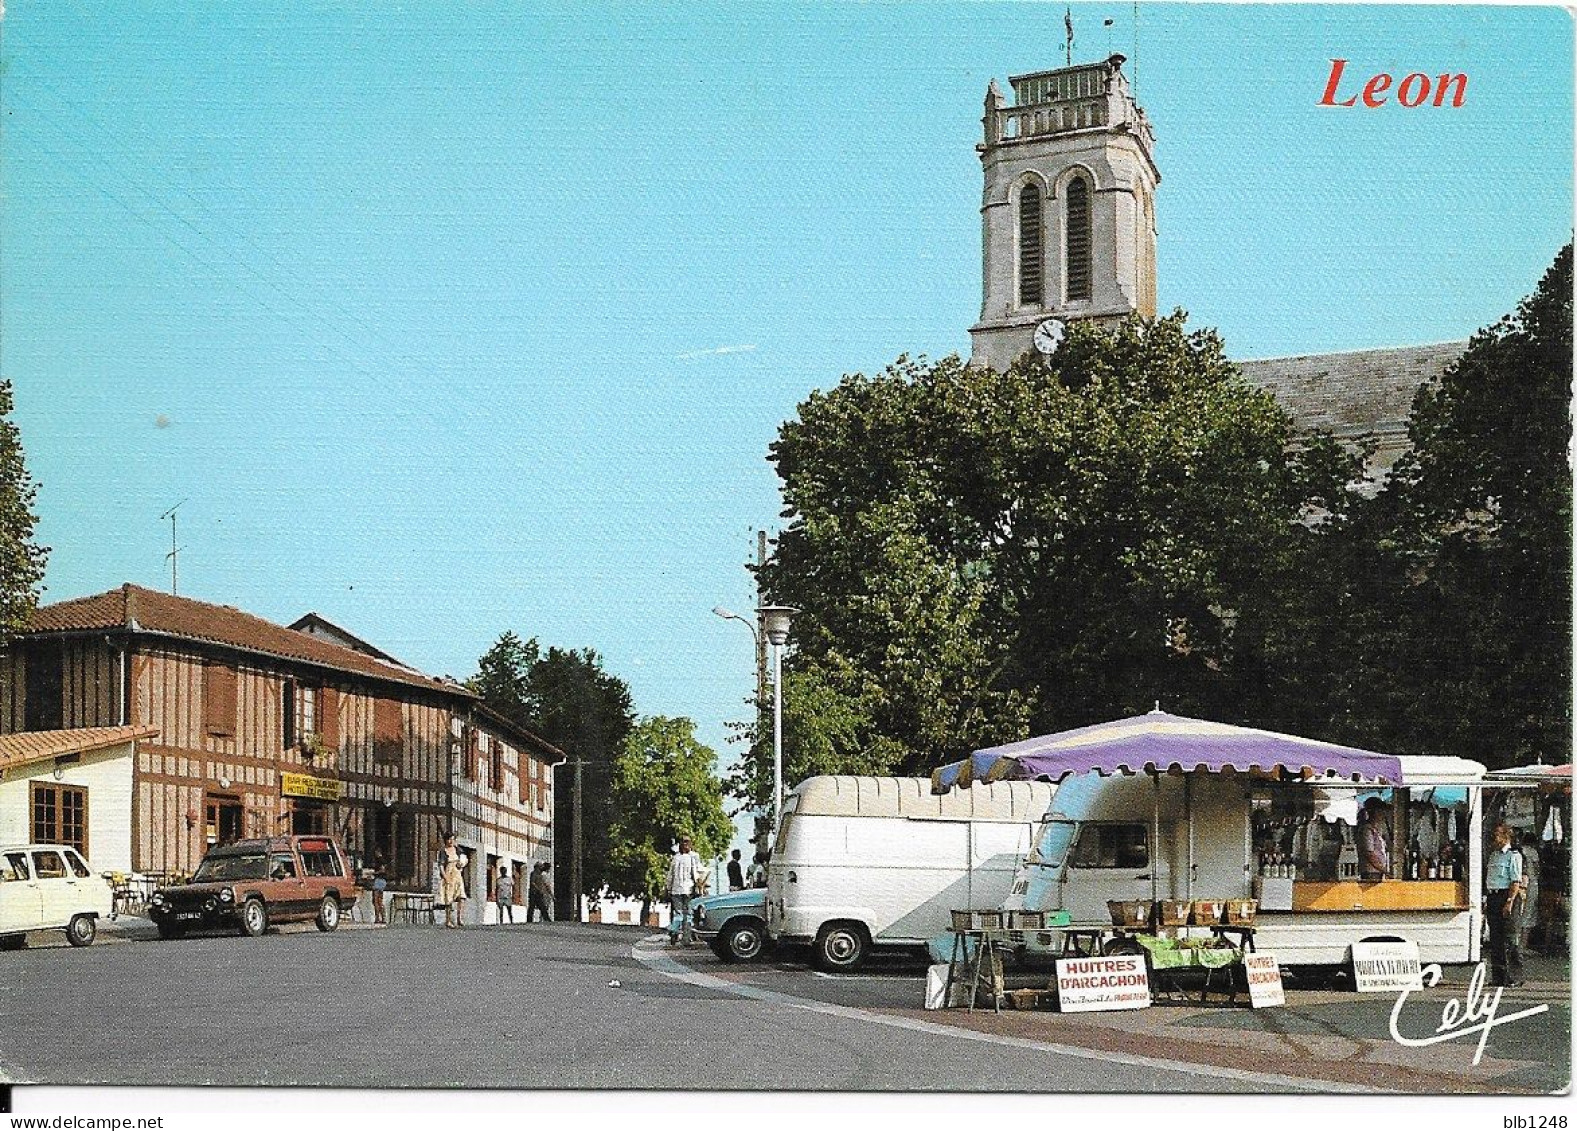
x=774, y=622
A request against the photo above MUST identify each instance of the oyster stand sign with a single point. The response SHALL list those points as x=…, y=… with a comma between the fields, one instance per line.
x=1385, y=967
x=1117, y=981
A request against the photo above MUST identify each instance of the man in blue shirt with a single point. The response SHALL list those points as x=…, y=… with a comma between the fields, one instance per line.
x=1503, y=887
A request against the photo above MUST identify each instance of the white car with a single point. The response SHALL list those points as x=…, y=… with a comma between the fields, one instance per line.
x=49, y=887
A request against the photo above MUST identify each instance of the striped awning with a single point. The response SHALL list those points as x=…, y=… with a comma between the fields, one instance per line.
x=1160, y=743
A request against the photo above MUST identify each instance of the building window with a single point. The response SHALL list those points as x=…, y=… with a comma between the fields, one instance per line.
x=45, y=706
x=306, y=711
x=301, y=718
x=60, y=815
x=1031, y=252
x=1078, y=241
x=495, y=768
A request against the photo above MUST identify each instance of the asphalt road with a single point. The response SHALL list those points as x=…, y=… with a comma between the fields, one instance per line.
x=540, y=1006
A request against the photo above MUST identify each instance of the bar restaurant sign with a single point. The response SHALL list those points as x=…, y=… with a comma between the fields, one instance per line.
x=305, y=785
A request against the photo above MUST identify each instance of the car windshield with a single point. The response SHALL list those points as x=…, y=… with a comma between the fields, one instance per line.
x=248, y=866
x=1051, y=846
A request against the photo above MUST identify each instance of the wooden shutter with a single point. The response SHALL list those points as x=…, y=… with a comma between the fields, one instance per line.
x=219, y=699
x=287, y=712
x=328, y=717
x=388, y=731
x=1078, y=275
x=1031, y=251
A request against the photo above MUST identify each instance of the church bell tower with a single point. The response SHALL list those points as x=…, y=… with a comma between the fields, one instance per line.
x=1068, y=216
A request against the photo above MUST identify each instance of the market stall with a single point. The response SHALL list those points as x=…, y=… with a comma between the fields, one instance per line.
x=1335, y=844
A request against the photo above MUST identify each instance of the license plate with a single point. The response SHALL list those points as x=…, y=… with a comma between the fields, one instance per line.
x=190, y=915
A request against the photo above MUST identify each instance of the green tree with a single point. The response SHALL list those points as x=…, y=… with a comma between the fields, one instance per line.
x=1481, y=530
x=665, y=785
x=503, y=678
x=983, y=555
x=21, y=559
x=566, y=696
x=826, y=730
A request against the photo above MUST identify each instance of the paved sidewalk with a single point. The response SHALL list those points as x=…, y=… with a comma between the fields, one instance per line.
x=1336, y=1038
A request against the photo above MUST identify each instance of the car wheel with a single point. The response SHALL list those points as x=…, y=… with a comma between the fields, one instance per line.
x=13, y=942
x=254, y=918
x=328, y=913
x=841, y=947
x=169, y=930
x=742, y=941
x=82, y=930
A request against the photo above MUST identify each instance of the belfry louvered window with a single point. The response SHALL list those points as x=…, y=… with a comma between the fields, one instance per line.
x=1030, y=247
x=1078, y=240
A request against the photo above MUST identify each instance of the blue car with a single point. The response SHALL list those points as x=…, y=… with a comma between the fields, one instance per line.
x=733, y=924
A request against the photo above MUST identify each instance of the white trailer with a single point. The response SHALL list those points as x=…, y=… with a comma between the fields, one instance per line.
x=863, y=862
x=1221, y=834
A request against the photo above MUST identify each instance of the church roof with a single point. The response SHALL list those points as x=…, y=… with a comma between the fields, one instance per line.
x=1355, y=393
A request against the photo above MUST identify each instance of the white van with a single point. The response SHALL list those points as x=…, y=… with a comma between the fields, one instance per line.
x=1290, y=845
x=49, y=887
x=864, y=862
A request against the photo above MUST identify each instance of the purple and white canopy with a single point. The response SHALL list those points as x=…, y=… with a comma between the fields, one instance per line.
x=1157, y=743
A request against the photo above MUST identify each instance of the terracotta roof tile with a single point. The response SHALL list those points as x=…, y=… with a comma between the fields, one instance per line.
x=133, y=608
x=32, y=746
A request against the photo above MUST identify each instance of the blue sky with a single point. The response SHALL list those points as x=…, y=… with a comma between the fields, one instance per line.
x=449, y=319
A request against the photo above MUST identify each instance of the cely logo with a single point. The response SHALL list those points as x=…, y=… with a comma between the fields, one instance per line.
x=1477, y=1014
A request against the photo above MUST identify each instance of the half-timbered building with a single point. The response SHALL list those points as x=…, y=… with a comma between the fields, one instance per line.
x=252, y=728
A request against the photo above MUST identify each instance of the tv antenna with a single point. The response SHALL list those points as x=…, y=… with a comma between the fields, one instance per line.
x=174, y=549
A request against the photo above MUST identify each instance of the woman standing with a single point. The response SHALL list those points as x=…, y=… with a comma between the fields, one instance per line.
x=452, y=891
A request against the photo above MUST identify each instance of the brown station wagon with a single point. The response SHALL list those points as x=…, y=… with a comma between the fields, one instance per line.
x=249, y=884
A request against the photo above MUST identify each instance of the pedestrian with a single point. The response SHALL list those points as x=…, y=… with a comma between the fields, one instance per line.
x=1503, y=889
x=451, y=862
x=758, y=871
x=380, y=886
x=504, y=890
x=684, y=870
x=1374, y=846
x=540, y=897
x=736, y=873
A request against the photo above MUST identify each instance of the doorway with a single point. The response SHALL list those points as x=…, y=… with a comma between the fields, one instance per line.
x=309, y=818
x=221, y=818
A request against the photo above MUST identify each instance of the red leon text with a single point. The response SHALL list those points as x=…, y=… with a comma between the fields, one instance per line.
x=1414, y=90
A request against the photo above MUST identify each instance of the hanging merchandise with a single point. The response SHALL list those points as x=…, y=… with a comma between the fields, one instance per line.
x=1553, y=832
x=1424, y=830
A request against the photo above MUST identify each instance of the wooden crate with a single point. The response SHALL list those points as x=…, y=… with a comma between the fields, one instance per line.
x=1208, y=912
x=1129, y=912
x=1241, y=912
